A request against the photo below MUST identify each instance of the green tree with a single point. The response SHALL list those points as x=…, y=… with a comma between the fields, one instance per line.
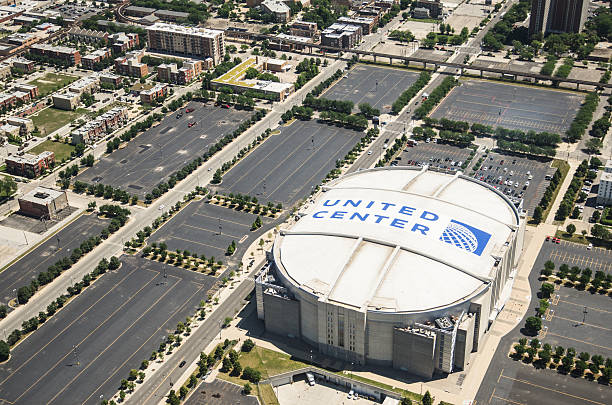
x=5, y=350
x=547, y=289
x=247, y=388
x=537, y=214
x=533, y=324
x=427, y=399
x=571, y=228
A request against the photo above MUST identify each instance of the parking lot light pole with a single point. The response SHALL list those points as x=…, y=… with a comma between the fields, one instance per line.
x=584, y=313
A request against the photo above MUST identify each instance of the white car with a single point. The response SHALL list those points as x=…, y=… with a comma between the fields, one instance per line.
x=590, y=246
x=350, y=394
x=311, y=380
x=369, y=152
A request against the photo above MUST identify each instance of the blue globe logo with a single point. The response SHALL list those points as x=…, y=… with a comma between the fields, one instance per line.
x=458, y=235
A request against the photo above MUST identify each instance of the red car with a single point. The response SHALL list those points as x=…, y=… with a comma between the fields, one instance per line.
x=188, y=110
x=191, y=124
x=225, y=105
x=547, y=238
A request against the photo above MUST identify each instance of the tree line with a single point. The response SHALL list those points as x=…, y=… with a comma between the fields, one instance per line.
x=583, y=117
x=412, y=91
x=436, y=96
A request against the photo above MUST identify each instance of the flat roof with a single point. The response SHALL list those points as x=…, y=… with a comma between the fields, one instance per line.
x=384, y=239
x=42, y=195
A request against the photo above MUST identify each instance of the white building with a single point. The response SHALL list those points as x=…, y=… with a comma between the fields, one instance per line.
x=403, y=267
x=604, y=193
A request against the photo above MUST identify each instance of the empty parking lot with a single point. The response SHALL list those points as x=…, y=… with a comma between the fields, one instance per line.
x=154, y=155
x=509, y=106
x=47, y=253
x=378, y=86
x=208, y=229
x=85, y=350
x=286, y=166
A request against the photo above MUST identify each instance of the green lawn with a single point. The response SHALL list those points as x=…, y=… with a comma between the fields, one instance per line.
x=51, y=119
x=52, y=82
x=61, y=150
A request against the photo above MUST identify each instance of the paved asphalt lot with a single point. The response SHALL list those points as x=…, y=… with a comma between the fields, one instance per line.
x=196, y=229
x=575, y=254
x=47, y=253
x=153, y=156
x=511, y=382
x=285, y=167
x=509, y=106
x=219, y=392
x=114, y=325
x=510, y=175
x=429, y=153
x=378, y=86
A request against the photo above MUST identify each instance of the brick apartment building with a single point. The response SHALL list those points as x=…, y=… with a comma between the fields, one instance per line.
x=189, y=41
x=30, y=166
x=70, y=55
x=172, y=74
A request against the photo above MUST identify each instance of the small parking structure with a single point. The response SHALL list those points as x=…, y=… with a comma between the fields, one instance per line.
x=208, y=229
x=517, y=177
x=47, y=253
x=154, y=155
x=377, y=86
x=509, y=106
x=85, y=350
x=219, y=392
x=287, y=166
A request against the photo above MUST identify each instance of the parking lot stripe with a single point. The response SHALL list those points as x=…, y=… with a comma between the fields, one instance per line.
x=117, y=338
x=222, y=219
x=199, y=228
x=506, y=399
x=580, y=323
x=553, y=390
x=582, y=306
x=68, y=326
x=86, y=337
x=580, y=341
x=197, y=243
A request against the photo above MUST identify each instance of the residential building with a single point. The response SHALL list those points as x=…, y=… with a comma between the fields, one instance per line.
x=111, y=78
x=95, y=130
x=22, y=96
x=25, y=125
x=183, y=75
x=567, y=16
x=130, y=65
x=31, y=89
x=89, y=84
x=89, y=61
x=8, y=13
x=84, y=35
x=7, y=100
x=190, y=41
x=420, y=12
x=21, y=39
x=70, y=55
x=66, y=101
x=557, y=16
x=278, y=9
x=122, y=42
x=43, y=202
x=306, y=29
x=29, y=165
x=341, y=35
x=385, y=4
x=5, y=70
x=367, y=24
x=154, y=93
x=604, y=193
x=23, y=64
x=10, y=130
x=434, y=6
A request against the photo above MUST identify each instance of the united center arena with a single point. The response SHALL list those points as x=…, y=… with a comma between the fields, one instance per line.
x=402, y=266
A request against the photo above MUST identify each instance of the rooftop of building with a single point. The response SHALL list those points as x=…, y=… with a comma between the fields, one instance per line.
x=42, y=195
x=180, y=29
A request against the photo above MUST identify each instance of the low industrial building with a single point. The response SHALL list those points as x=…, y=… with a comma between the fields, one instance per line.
x=235, y=80
x=66, y=101
x=30, y=166
x=43, y=203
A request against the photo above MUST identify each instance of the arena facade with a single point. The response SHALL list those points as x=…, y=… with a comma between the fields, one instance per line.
x=398, y=266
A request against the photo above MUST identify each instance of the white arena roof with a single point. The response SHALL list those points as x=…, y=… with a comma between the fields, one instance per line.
x=398, y=239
